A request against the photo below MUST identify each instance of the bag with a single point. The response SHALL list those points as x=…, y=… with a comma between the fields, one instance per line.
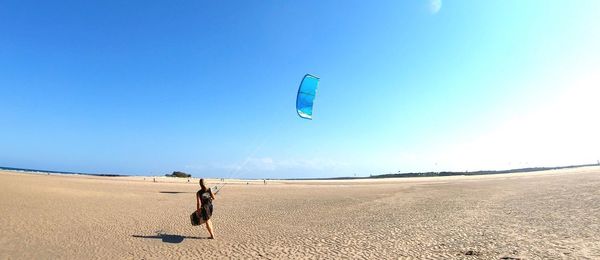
x=195, y=219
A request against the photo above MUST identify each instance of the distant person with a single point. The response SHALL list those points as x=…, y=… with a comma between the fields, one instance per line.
x=204, y=207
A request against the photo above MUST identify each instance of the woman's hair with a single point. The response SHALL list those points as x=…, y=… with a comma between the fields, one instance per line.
x=202, y=185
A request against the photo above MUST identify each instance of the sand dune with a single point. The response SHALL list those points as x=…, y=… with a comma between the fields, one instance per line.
x=554, y=214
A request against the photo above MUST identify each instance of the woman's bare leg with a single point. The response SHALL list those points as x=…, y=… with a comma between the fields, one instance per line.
x=210, y=228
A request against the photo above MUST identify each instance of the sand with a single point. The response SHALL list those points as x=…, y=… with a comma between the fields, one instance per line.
x=544, y=215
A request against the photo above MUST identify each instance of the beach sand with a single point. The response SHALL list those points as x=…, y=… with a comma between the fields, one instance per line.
x=542, y=215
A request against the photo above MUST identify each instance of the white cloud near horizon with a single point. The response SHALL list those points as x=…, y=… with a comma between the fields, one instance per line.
x=270, y=164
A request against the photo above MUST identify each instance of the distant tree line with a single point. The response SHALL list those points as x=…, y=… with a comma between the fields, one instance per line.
x=178, y=174
x=449, y=173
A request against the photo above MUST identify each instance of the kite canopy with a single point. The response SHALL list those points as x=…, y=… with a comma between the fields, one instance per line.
x=306, y=96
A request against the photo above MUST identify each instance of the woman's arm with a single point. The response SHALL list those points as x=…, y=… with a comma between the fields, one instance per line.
x=212, y=195
x=197, y=203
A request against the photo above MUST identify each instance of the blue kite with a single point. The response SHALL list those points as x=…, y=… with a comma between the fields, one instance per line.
x=306, y=96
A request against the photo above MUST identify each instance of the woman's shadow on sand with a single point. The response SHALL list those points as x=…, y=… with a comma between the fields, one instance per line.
x=168, y=238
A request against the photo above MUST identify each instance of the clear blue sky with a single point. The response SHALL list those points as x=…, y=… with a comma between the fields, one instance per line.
x=206, y=87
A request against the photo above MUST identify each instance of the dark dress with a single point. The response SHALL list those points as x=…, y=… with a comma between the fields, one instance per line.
x=206, y=207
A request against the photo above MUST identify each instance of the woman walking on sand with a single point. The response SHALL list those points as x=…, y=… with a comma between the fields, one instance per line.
x=204, y=207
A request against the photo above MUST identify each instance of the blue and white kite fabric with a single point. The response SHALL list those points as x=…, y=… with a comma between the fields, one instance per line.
x=306, y=96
